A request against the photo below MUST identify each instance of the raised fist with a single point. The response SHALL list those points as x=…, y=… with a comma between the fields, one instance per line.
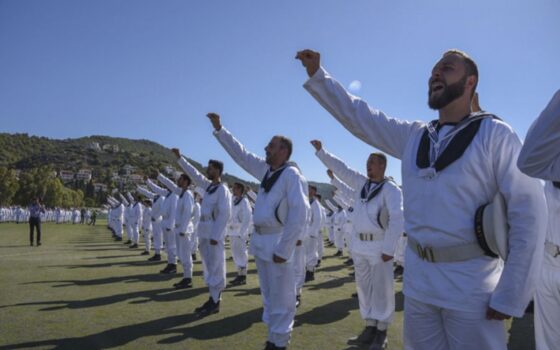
x=311, y=60
x=330, y=174
x=176, y=152
x=215, y=120
x=317, y=144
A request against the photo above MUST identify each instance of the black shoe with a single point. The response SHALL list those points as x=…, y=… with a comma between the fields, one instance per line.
x=183, y=284
x=31, y=244
x=349, y=262
x=399, y=270
x=380, y=341
x=366, y=337
x=128, y=242
x=204, y=306
x=318, y=263
x=239, y=280
x=156, y=257
x=118, y=239
x=133, y=246
x=211, y=308
x=145, y=252
x=338, y=253
x=193, y=257
x=298, y=301
x=352, y=274
x=330, y=244
x=309, y=276
x=38, y=244
x=354, y=295
x=170, y=268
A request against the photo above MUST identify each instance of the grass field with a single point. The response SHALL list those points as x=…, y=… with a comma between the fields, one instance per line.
x=81, y=290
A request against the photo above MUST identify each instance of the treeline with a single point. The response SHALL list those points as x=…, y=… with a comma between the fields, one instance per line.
x=39, y=182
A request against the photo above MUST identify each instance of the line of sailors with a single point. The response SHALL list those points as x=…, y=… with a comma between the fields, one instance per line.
x=18, y=215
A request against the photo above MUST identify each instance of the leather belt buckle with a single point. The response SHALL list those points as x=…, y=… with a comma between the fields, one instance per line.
x=425, y=253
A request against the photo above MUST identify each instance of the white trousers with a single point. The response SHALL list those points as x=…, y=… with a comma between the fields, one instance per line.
x=158, y=236
x=170, y=246
x=374, y=283
x=320, y=245
x=129, y=233
x=299, y=268
x=147, y=240
x=339, y=239
x=428, y=327
x=277, y=283
x=547, y=309
x=135, y=234
x=311, y=252
x=348, y=237
x=331, y=234
x=194, y=243
x=118, y=229
x=214, y=266
x=239, y=253
x=184, y=245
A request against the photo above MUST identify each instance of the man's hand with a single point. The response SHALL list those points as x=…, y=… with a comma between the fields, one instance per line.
x=215, y=120
x=176, y=152
x=213, y=242
x=311, y=60
x=330, y=174
x=386, y=257
x=475, y=106
x=492, y=314
x=277, y=259
x=317, y=144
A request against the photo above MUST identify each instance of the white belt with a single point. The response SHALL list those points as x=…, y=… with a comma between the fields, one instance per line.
x=371, y=236
x=552, y=249
x=446, y=254
x=267, y=230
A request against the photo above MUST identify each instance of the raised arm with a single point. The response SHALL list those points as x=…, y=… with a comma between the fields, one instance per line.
x=540, y=155
x=169, y=183
x=198, y=178
x=350, y=176
x=145, y=192
x=252, y=163
x=369, y=125
x=157, y=189
x=342, y=188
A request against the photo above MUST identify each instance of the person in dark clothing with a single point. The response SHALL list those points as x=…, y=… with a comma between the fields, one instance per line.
x=35, y=210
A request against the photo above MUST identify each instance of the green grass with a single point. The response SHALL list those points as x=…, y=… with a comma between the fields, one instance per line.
x=80, y=290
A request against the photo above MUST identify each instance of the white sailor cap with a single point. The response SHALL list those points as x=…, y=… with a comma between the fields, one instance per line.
x=492, y=229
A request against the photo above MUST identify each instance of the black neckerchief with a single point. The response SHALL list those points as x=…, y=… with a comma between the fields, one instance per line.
x=156, y=198
x=213, y=188
x=182, y=193
x=364, y=193
x=351, y=209
x=556, y=184
x=456, y=147
x=267, y=182
x=238, y=200
x=311, y=200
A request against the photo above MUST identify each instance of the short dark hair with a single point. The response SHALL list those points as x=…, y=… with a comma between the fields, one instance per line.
x=240, y=186
x=470, y=66
x=319, y=196
x=381, y=156
x=186, y=177
x=217, y=164
x=314, y=188
x=286, y=143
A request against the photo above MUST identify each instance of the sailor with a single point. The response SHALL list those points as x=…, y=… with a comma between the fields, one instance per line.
x=374, y=241
x=158, y=200
x=147, y=226
x=183, y=226
x=457, y=292
x=540, y=155
x=126, y=215
x=135, y=219
x=238, y=232
x=215, y=213
x=168, y=212
x=279, y=218
x=311, y=241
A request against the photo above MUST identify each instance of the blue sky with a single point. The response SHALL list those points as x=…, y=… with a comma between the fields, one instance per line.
x=153, y=69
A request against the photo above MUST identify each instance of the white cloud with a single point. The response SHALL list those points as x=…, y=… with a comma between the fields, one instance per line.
x=355, y=86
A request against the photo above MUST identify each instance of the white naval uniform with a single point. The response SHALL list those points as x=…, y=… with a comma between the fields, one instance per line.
x=547, y=298
x=168, y=212
x=540, y=154
x=300, y=254
x=277, y=280
x=147, y=227
x=195, y=220
x=344, y=196
x=338, y=220
x=118, y=214
x=136, y=221
x=238, y=232
x=157, y=205
x=446, y=303
x=374, y=277
x=215, y=212
x=311, y=241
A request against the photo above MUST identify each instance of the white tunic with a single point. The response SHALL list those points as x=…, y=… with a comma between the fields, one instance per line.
x=290, y=186
x=540, y=155
x=240, y=218
x=440, y=211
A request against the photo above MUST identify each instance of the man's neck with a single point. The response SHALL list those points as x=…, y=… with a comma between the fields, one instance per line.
x=216, y=180
x=454, y=112
x=276, y=166
x=377, y=179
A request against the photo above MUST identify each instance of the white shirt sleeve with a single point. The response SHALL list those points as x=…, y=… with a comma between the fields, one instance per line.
x=169, y=184
x=345, y=190
x=197, y=177
x=369, y=125
x=540, y=155
x=158, y=190
x=392, y=197
x=144, y=191
x=297, y=213
x=252, y=164
x=526, y=214
x=350, y=176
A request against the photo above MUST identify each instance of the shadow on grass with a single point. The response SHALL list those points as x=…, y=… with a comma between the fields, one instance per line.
x=151, y=277
x=331, y=283
x=165, y=326
x=157, y=295
x=327, y=313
